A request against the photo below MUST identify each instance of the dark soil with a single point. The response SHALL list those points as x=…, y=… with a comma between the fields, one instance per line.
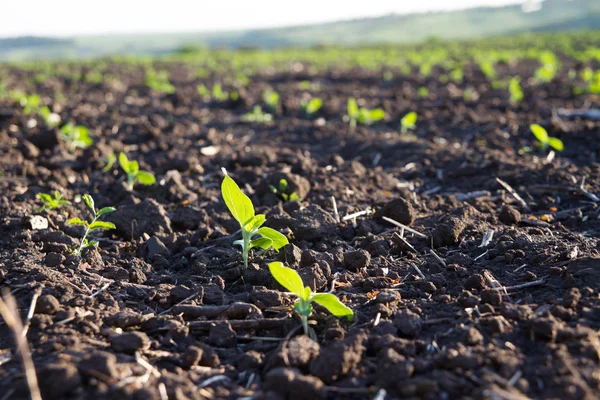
x=164, y=306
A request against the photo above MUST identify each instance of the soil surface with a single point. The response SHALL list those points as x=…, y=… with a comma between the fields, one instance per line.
x=165, y=309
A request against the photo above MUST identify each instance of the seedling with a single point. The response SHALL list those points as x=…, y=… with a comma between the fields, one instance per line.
x=289, y=279
x=363, y=115
x=132, y=169
x=312, y=106
x=94, y=225
x=218, y=93
x=271, y=99
x=159, y=81
x=110, y=162
x=253, y=233
x=281, y=190
x=407, y=122
x=514, y=88
x=51, y=203
x=50, y=119
x=258, y=115
x=545, y=140
x=76, y=136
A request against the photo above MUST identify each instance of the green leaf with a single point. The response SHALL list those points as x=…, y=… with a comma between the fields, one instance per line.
x=293, y=197
x=288, y=278
x=377, y=114
x=101, y=225
x=105, y=210
x=255, y=223
x=89, y=201
x=333, y=304
x=556, y=143
x=237, y=202
x=352, y=107
x=279, y=240
x=124, y=162
x=77, y=221
x=540, y=133
x=146, y=178
x=314, y=105
x=45, y=197
x=263, y=243
x=410, y=119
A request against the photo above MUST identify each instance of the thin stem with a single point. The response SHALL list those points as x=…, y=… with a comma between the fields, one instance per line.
x=87, y=231
x=246, y=248
x=305, y=323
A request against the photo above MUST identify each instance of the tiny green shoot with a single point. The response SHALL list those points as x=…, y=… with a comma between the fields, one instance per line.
x=94, y=225
x=271, y=99
x=409, y=121
x=545, y=140
x=312, y=106
x=363, y=115
x=281, y=191
x=257, y=115
x=132, y=169
x=289, y=279
x=51, y=203
x=253, y=233
x=77, y=136
x=514, y=88
x=110, y=162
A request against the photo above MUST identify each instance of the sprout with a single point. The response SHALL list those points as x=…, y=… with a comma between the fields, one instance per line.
x=545, y=140
x=94, y=225
x=132, y=169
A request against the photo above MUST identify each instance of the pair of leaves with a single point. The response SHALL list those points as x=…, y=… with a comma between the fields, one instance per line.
x=289, y=279
x=78, y=136
x=94, y=226
x=241, y=208
x=132, y=169
x=363, y=115
x=409, y=120
x=52, y=202
x=313, y=106
x=545, y=140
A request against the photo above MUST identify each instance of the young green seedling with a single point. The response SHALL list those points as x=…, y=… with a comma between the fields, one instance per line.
x=51, y=203
x=258, y=115
x=281, y=190
x=407, y=122
x=271, y=99
x=76, y=136
x=545, y=140
x=363, y=115
x=132, y=169
x=94, y=225
x=312, y=106
x=514, y=88
x=289, y=279
x=253, y=233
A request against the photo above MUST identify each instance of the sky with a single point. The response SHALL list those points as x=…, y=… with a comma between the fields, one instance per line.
x=84, y=17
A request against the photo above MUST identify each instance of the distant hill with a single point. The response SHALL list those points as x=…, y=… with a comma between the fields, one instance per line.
x=474, y=23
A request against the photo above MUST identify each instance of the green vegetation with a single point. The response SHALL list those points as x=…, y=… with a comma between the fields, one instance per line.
x=289, y=279
x=132, y=169
x=94, y=225
x=77, y=136
x=514, y=88
x=281, y=191
x=253, y=233
x=545, y=140
x=409, y=121
x=363, y=115
x=159, y=81
x=312, y=106
x=51, y=203
x=258, y=115
x=271, y=99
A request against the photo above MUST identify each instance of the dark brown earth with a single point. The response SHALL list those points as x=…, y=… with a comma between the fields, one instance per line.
x=164, y=307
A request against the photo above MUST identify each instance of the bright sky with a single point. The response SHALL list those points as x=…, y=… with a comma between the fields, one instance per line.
x=77, y=17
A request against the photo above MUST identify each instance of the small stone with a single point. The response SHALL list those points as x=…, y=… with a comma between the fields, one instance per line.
x=475, y=281
x=388, y=296
x=124, y=319
x=99, y=364
x=290, y=254
x=47, y=304
x=35, y=222
x=251, y=360
x=58, y=380
x=491, y=296
x=130, y=342
x=154, y=246
x=509, y=215
x=473, y=337
x=357, y=260
x=407, y=322
x=448, y=232
x=571, y=298
x=192, y=356
x=400, y=210
x=53, y=259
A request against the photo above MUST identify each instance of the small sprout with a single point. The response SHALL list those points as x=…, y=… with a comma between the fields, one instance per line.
x=271, y=99
x=159, y=81
x=110, y=162
x=514, y=88
x=423, y=91
x=545, y=140
x=363, y=115
x=218, y=93
x=312, y=106
x=50, y=119
x=94, y=225
x=281, y=191
x=30, y=103
x=203, y=91
x=289, y=279
x=132, y=169
x=258, y=115
x=76, y=136
x=253, y=233
x=409, y=121
x=51, y=203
